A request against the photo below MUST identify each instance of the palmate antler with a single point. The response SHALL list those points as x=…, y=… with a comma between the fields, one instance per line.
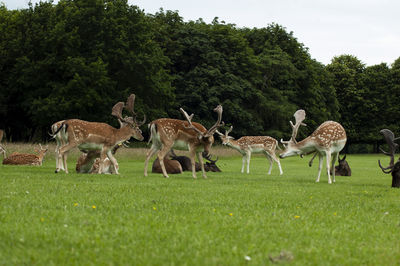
x=212, y=129
x=389, y=138
x=299, y=116
x=130, y=103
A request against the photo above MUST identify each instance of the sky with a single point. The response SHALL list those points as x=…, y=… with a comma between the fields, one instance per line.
x=367, y=29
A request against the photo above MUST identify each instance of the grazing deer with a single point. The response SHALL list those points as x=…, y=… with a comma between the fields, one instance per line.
x=89, y=162
x=252, y=144
x=327, y=140
x=26, y=158
x=393, y=168
x=167, y=133
x=186, y=163
x=99, y=136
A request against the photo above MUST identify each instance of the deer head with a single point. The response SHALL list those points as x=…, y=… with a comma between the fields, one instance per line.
x=389, y=138
x=225, y=138
x=129, y=121
x=206, y=138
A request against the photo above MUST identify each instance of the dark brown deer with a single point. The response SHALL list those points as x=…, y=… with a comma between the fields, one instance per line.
x=393, y=168
x=186, y=164
x=343, y=169
x=171, y=166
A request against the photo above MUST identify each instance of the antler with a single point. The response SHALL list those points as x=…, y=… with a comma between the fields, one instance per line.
x=130, y=104
x=226, y=132
x=117, y=110
x=299, y=116
x=212, y=129
x=218, y=124
x=389, y=138
x=189, y=119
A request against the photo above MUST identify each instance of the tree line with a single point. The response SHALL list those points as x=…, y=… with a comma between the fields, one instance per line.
x=77, y=58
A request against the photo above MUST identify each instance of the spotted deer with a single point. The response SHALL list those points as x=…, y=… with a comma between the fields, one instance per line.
x=89, y=136
x=89, y=162
x=247, y=145
x=326, y=141
x=167, y=133
x=17, y=158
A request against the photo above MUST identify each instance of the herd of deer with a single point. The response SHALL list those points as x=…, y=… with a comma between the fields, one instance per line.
x=99, y=142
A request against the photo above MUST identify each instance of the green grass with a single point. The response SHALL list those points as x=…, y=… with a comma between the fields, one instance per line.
x=77, y=219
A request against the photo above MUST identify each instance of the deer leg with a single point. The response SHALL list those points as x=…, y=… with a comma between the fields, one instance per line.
x=149, y=154
x=161, y=154
x=278, y=162
x=192, y=155
x=113, y=161
x=200, y=158
x=243, y=161
x=312, y=159
x=320, y=157
x=328, y=166
x=270, y=162
x=248, y=156
x=63, y=153
x=334, y=159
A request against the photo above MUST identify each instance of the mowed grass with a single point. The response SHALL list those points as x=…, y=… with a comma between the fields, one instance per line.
x=228, y=219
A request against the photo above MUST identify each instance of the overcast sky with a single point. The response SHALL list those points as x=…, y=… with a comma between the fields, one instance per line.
x=367, y=29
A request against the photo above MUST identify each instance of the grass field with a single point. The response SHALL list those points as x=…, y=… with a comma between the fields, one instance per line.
x=228, y=219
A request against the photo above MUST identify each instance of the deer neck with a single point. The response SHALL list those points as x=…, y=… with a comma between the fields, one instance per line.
x=235, y=145
x=307, y=145
x=122, y=134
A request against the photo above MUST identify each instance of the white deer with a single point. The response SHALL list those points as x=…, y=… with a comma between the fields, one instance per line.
x=247, y=145
x=327, y=141
x=167, y=133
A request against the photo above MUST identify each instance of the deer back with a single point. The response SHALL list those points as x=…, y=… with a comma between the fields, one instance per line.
x=171, y=166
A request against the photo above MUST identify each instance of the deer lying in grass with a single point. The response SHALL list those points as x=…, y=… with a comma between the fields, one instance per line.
x=393, y=168
x=89, y=162
x=253, y=144
x=186, y=164
x=326, y=141
x=26, y=158
x=167, y=133
x=171, y=166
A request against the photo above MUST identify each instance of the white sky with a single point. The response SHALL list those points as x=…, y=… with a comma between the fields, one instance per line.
x=367, y=29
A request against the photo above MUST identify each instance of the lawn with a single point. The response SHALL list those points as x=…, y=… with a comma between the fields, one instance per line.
x=228, y=219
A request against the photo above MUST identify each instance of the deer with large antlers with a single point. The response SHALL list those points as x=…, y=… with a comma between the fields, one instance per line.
x=99, y=136
x=167, y=133
x=247, y=145
x=327, y=141
x=393, y=168
x=17, y=158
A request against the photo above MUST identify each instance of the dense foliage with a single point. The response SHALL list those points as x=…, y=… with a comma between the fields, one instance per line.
x=77, y=58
